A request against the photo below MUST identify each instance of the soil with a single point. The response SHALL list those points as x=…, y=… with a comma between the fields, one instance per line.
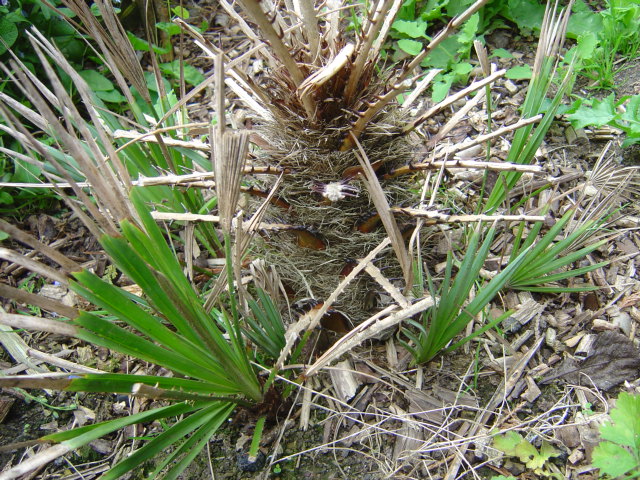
x=369, y=445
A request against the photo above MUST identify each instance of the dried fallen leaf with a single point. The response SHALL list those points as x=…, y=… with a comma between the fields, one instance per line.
x=613, y=360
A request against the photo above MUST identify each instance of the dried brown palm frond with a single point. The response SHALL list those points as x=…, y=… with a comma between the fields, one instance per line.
x=607, y=188
x=95, y=158
x=608, y=176
x=113, y=43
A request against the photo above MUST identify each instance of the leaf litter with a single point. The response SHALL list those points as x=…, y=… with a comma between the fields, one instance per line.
x=430, y=425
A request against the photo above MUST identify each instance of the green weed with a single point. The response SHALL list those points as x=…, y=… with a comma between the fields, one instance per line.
x=536, y=460
x=618, y=455
x=409, y=31
x=174, y=69
x=613, y=36
x=623, y=114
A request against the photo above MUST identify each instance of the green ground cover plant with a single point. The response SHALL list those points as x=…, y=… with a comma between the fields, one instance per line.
x=607, y=42
x=16, y=17
x=536, y=460
x=623, y=114
x=55, y=23
x=175, y=70
x=610, y=41
x=618, y=454
x=606, y=38
x=409, y=31
x=415, y=19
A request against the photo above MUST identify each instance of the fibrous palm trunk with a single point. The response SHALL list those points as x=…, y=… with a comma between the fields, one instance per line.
x=326, y=116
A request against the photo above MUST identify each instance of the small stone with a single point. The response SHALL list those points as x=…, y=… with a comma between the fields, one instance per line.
x=59, y=293
x=569, y=435
x=511, y=87
x=623, y=321
x=550, y=338
x=600, y=325
x=532, y=392
x=590, y=191
x=576, y=456
x=251, y=464
x=258, y=66
x=52, y=426
x=222, y=20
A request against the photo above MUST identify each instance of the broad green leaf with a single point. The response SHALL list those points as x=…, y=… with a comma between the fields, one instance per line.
x=407, y=10
x=6, y=198
x=138, y=43
x=601, y=113
x=520, y=72
x=143, y=46
x=191, y=74
x=444, y=54
x=514, y=445
x=468, y=33
x=412, y=47
x=456, y=7
x=587, y=43
x=584, y=22
x=538, y=460
x=612, y=459
x=528, y=454
x=411, y=28
x=8, y=34
x=501, y=53
x=432, y=10
x=625, y=429
x=169, y=27
x=547, y=450
x=181, y=12
x=508, y=442
x=67, y=11
x=96, y=81
x=111, y=96
x=632, y=110
x=462, y=68
x=527, y=14
x=441, y=88
x=25, y=172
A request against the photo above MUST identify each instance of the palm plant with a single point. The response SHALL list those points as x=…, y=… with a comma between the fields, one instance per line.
x=328, y=118
x=203, y=348
x=333, y=164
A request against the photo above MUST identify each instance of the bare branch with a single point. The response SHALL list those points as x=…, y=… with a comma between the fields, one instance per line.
x=439, y=217
x=38, y=324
